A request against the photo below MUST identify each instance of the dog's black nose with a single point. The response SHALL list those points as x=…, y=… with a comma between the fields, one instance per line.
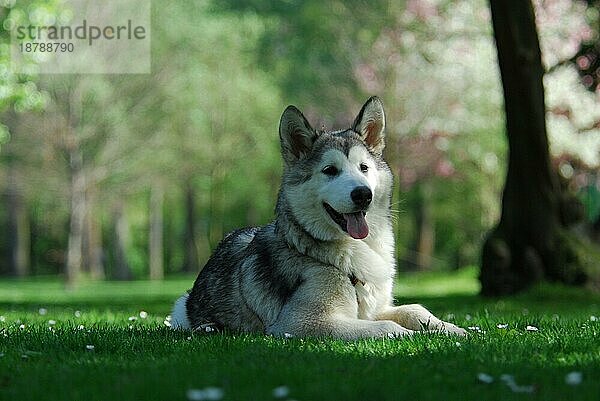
x=361, y=196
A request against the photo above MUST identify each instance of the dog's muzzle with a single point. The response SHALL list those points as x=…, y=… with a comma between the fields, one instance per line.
x=354, y=224
x=361, y=196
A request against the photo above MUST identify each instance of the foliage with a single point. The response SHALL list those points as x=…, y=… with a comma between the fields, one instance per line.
x=19, y=89
x=206, y=119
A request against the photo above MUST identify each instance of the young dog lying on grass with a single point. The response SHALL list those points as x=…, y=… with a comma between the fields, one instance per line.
x=325, y=266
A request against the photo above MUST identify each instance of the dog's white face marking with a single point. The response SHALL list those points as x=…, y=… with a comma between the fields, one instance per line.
x=336, y=190
x=358, y=169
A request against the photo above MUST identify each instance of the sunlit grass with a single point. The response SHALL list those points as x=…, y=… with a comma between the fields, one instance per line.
x=462, y=282
x=109, y=341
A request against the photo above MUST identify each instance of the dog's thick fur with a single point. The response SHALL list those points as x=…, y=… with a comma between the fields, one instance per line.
x=325, y=266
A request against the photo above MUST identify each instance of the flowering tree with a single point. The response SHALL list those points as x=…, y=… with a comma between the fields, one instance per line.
x=530, y=242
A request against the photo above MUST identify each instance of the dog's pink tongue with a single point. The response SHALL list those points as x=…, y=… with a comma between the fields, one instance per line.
x=356, y=225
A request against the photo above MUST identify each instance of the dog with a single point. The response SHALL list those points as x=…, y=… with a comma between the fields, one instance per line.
x=325, y=267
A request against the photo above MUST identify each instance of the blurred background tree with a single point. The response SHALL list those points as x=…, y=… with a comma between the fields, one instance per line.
x=139, y=176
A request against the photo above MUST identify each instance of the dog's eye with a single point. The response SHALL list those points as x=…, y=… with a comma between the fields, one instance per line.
x=330, y=170
x=364, y=168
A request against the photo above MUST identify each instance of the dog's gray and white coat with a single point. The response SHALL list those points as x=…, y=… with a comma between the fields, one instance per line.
x=325, y=266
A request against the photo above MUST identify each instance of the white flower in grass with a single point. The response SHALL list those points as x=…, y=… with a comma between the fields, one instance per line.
x=2, y=319
x=143, y=314
x=77, y=313
x=81, y=327
x=509, y=380
x=22, y=326
x=281, y=391
x=458, y=344
x=593, y=318
x=167, y=323
x=475, y=328
x=574, y=378
x=485, y=378
x=195, y=395
x=42, y=311
x=132, y=318
x=468, y=317
x=213, y=393
x=168, y=318
x=502, y=326
x=89, y=347
x=531, y=328
x=288, y=335
x=208, y=394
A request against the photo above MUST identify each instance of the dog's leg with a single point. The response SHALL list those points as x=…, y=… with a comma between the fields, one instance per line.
x=342, y=328
x=416, y=317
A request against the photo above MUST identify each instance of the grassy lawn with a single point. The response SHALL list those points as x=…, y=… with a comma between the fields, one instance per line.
x=96, y=343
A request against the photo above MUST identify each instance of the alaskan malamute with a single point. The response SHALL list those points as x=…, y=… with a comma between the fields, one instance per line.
x=325, y=267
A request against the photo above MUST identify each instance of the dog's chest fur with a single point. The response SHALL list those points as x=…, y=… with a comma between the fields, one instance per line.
x=371, y=263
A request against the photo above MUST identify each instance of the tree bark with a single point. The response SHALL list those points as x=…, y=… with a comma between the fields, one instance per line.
x=190, y=261
x=524, y=248
x=93, y=261
x=156, y=234
x=122, y=270
x=77, y=219
x=423, y=242
x=19, y=241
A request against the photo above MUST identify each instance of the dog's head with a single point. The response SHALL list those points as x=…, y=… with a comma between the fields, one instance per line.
x=336, y=184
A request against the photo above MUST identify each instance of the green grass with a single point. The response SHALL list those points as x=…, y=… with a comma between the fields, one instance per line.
x=142, y=359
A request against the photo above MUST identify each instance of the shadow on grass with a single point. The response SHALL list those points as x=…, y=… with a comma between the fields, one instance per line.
x=545, y=300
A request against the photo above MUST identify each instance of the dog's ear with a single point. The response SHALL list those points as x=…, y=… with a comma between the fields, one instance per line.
x=296, y=135
x=370, y=125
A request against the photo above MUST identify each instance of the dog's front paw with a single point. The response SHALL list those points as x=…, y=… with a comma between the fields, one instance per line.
x=387, y=328
x=450, y=328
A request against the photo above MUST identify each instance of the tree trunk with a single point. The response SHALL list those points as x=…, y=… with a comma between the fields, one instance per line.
x=156, y=234
x=215, y=212
x=77, y=219
x=18, y=228
x=190, y=261
x=423, y=242
x=121, y=271
x=524, y=248
x=93, y=261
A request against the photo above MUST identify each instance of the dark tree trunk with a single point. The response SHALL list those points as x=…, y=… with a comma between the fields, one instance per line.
x=156, y=234
x=424, y=235
x=18, y=230
x=19, y=243
x=524, y=248
x=93, y=262
x=77, y=219
x=190, y=261
x=121, y=270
